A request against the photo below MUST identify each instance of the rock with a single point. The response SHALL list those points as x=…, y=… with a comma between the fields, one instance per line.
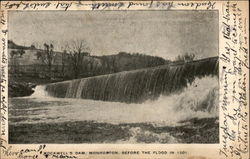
x=20, y=89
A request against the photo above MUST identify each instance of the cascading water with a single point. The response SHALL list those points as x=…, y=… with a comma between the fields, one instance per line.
x=39, y=92
x=135, y=86
x=183, y=92
x=197, y=100
x=154, y=105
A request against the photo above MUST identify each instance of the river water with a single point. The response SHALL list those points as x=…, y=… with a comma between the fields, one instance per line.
x=199, y=100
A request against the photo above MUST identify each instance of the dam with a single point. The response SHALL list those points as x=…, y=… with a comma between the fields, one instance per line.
x=135, y=86
x=177, y=103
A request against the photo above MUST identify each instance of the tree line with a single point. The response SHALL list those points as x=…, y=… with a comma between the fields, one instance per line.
x=76, y=57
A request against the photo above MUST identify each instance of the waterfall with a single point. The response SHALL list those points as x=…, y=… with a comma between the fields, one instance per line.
x=39, y=92
x=136, y=86
x=198, y=100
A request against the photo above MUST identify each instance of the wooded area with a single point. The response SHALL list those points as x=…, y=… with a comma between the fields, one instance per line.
x=76, y=61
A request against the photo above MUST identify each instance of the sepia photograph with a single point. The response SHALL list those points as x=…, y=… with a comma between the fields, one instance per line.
x=113, y=77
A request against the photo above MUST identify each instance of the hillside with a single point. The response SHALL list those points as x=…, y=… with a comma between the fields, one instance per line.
x=126, y=61
x=25, y=60
x=12, y=45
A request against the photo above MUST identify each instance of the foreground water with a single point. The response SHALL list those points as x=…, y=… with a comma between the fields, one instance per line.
x=188, y=116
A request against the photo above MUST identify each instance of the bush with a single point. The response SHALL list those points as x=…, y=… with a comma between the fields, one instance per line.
x=185, y=58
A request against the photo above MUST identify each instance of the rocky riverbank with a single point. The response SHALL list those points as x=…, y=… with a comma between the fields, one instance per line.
x=20, y=89
x=23, y=85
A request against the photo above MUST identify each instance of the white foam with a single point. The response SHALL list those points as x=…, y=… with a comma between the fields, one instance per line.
x=39, y=92
x=197, y=100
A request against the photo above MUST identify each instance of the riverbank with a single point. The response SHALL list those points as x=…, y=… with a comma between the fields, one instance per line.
x=23, y=86
x=20, y=89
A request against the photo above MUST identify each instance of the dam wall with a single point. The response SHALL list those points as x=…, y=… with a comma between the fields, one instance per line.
x=135, y=86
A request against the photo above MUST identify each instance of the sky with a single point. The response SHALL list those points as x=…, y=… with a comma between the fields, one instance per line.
x=158, y=33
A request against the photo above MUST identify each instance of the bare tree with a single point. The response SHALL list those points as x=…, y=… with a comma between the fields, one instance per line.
x=185, y=58
x=15, y=57
x=47, y=57
x=113, y=63
x=64, y=55
x=77, y=50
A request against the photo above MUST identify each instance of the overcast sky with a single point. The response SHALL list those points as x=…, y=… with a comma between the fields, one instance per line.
x=159, y=33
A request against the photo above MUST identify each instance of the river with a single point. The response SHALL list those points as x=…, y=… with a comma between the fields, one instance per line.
x=169, y=119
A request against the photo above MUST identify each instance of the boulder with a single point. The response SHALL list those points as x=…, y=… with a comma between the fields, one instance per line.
x=20, y=89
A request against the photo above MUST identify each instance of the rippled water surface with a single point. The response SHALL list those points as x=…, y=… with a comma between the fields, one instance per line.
x=164, y=120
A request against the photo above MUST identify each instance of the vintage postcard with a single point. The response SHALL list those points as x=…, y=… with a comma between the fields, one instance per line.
x=124, y=79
